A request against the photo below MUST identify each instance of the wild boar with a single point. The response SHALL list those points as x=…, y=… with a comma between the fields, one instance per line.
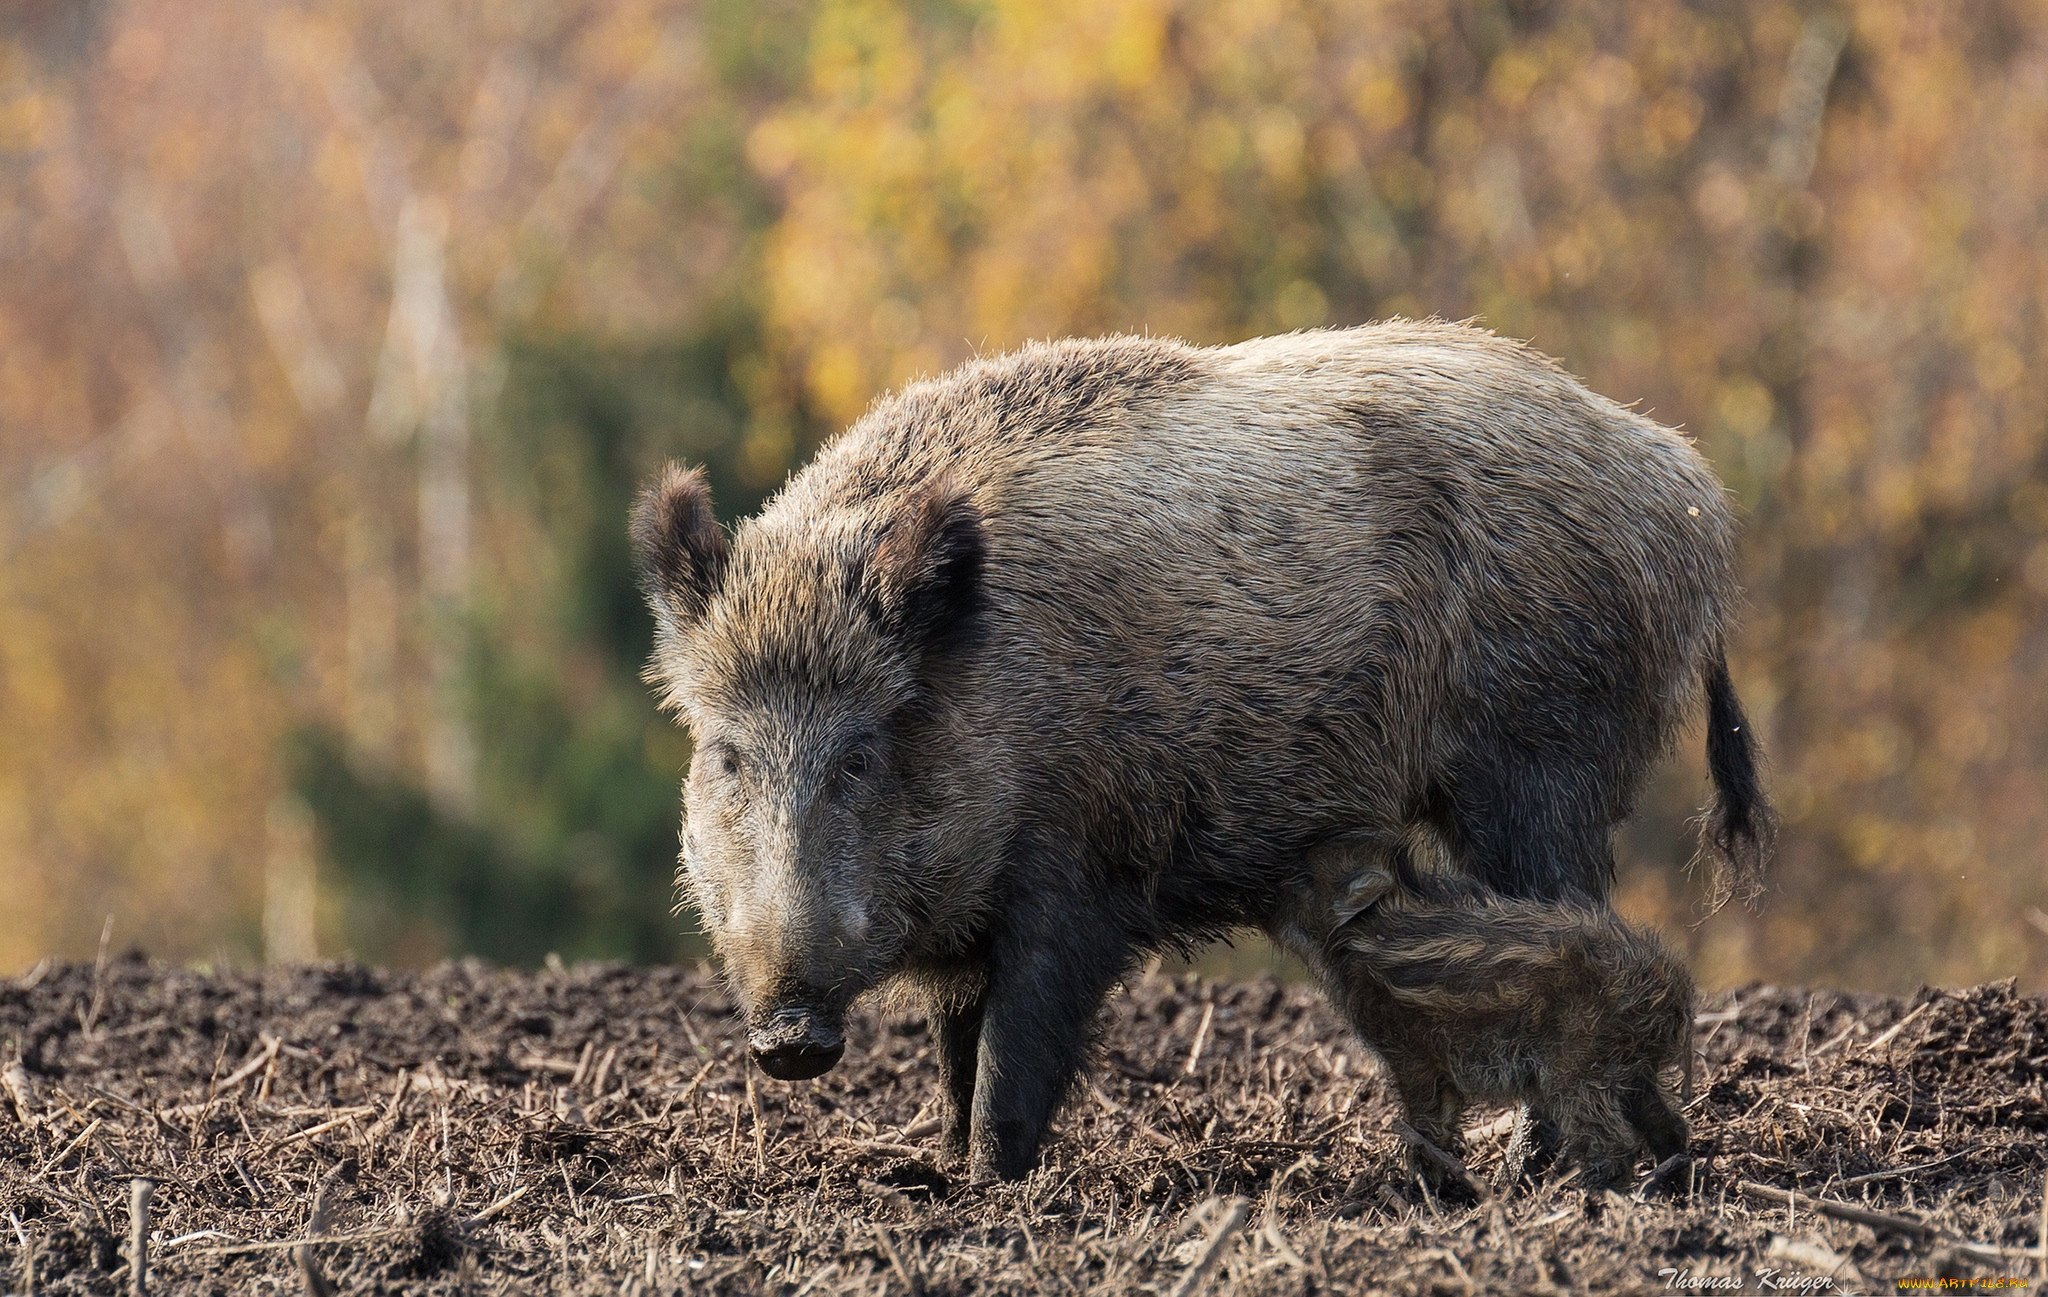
x=1073, y=653
x=1467, y=995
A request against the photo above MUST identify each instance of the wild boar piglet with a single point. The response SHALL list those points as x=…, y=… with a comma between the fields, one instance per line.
x=1470, y=996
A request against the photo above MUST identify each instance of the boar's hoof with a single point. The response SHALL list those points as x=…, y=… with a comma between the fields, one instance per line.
x=793, y=1045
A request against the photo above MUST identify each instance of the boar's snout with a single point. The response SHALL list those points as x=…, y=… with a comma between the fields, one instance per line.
x=796, y=1044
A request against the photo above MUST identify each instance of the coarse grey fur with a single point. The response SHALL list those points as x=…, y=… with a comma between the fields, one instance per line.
x=1074, y=652
x=1468, y=995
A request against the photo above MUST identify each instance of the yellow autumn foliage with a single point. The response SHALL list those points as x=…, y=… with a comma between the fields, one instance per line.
x=242, y=247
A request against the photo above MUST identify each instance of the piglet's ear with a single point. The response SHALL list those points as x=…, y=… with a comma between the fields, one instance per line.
x=924, y=577
x=1361, y=894
x=680, y=547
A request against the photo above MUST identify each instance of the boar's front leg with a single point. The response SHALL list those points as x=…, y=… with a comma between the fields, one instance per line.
x=1048, y=976
x=956, y=1032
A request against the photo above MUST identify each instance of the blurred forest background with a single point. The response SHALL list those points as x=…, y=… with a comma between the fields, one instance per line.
x=334, y=338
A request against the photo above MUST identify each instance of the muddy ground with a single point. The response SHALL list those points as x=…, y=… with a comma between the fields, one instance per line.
x=596, y=1130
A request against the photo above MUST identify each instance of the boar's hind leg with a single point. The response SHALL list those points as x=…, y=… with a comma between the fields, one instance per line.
x=1543, y=832
x=1047, y=980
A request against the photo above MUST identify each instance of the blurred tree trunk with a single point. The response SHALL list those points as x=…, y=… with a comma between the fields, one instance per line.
x=422, y=307
x=1809, y=575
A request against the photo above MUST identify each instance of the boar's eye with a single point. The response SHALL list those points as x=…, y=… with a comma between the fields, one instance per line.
x=724, y=759
x=858, y=761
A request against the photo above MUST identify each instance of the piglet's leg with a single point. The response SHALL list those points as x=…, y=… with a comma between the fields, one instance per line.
x=1433, y=1107
x=1047, y=979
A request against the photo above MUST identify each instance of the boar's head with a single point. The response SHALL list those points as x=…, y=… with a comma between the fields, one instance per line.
x=799, y=654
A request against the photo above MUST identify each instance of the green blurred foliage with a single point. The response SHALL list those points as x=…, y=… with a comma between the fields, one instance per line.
x=577, y=774
x=334, y=339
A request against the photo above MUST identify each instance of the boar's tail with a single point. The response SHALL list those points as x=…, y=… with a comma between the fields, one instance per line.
x=1739, y=828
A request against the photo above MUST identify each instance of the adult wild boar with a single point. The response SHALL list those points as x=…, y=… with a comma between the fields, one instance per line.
x=1073, y=653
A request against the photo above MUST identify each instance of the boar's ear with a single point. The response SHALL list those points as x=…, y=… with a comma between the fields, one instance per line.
x=680, y=547
x=924, y=578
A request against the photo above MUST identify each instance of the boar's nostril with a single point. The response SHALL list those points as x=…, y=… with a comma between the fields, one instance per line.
x=795, y=1045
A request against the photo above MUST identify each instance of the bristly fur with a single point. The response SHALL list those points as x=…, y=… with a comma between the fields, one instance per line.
x=1468, y=995
x=1121, y=627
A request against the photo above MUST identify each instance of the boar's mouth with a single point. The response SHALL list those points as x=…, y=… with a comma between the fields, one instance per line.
x=796, y=1043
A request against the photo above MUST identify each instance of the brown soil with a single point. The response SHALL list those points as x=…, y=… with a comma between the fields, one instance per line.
x=595, y=1130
